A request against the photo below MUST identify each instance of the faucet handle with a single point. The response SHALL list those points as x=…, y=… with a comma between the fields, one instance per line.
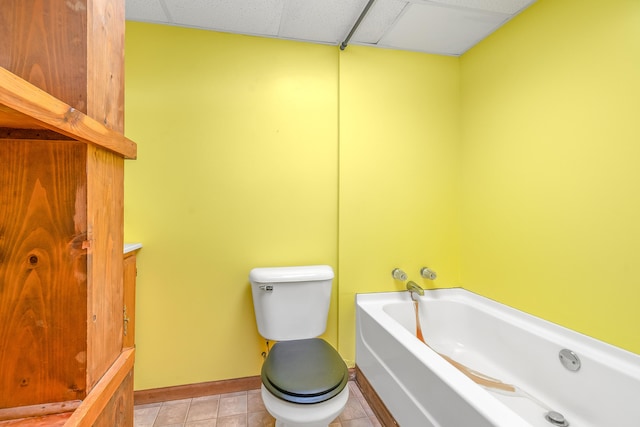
x=398, y=274
x=428, y=273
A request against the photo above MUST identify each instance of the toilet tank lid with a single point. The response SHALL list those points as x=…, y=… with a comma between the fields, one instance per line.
x=291, y=274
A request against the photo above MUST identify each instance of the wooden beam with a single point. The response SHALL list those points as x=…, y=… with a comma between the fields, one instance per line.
x=24, y=105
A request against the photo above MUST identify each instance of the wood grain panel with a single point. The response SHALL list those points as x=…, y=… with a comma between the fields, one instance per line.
x=105, y=63
x=42, y=272
x=119, y=410
x=10, y=118
x=46, y=421
x=107, y=393
x=32, y=134
x=105, y=219
x=45, y=43
x=42, y=410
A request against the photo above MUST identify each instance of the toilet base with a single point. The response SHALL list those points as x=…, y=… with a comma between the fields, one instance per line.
x=289, y=414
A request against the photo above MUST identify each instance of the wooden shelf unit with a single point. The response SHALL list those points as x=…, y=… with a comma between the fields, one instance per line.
x=63, y=359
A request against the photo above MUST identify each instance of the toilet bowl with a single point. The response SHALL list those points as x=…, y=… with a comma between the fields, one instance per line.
x=304, y=379
x=293, y=414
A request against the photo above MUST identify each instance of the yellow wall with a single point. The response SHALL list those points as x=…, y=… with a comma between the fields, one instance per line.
x=551, y=175
x=399, y=154
x=239, y=149
x=237, y=168
x=512, y=171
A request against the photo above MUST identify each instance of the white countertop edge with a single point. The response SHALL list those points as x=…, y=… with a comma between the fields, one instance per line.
x=130, y=247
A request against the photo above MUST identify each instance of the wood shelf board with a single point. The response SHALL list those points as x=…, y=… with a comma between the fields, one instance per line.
x=25, y=106
x=57, y=420
x=41, y=411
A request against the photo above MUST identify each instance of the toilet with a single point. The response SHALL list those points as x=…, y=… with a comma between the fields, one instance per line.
x=304, y=379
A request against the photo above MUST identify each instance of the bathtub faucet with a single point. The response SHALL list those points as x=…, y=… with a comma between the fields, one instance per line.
x=428, y=273
x=414, y=287
x=398, y=274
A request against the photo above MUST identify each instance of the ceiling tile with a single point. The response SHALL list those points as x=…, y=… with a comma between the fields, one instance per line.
x=327, y=21
x=440, y=29
x=380, y=17
x=259, y=17
x=449, y=27
x=510, y=7
x=145, y=10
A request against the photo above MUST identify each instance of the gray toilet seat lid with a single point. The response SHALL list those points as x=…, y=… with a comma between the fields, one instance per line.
x=304, y=371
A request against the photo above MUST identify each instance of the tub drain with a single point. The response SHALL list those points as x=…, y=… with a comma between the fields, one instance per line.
x=556, y=418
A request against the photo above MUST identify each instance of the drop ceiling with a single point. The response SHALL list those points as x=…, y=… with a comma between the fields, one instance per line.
x=446, y=27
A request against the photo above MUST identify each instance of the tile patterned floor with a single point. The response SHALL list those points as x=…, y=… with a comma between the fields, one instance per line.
x=243, y=409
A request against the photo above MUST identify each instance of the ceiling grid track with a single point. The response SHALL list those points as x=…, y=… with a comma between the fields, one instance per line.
x=370, y=3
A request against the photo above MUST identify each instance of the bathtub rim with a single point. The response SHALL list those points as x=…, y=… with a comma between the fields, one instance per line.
x=580, y=342
x=475, y=396
x=615, y=358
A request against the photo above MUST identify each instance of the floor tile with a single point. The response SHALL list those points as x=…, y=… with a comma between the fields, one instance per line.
x=215, y=397
x=237, y=393
x=260, y=419
x=354, y=390
x=204, y=423
x=150, y=405
x=232, y=405
x=242, y=409
x=254, y=401
x=239, y=420
x=203, y=409
x=359, y=422
x=172, y=413
x=176, y=402
x=374, y=421
x=145, y=415
x=367, y=410
x=353, y=410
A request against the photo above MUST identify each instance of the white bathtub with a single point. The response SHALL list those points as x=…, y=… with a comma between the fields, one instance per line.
x=420, y=388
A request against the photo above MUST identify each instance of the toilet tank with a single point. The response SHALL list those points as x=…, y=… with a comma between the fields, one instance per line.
x=291, y=303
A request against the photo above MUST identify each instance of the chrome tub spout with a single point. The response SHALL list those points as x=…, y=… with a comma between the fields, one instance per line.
x=414, y=287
